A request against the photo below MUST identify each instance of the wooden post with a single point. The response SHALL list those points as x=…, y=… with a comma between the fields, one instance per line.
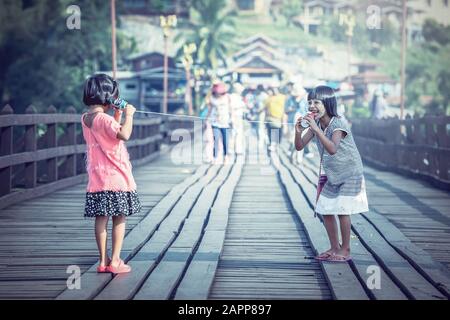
x=189, y=91
x=409, y=130
x=52, y=164
x=166, y=80
x=30, y=146
x=443, y=139
x=417, y=139
x=113, y=36
x=430, y=133
x=396, y=130
x=71, y=169
x=6, y=148
x=403, y=62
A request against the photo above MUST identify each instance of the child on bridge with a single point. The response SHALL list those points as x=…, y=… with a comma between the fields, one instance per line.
x=341, y=188
x=111, y=189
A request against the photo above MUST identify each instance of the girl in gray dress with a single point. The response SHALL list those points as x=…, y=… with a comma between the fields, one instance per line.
x=341, y=187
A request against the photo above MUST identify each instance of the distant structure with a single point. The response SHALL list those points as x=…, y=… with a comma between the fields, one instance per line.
x=315, y=12
x=253, y=6
x=368, y=79
x=141, y=74
x=142, y=86
x=156, y=8
x=258, y=62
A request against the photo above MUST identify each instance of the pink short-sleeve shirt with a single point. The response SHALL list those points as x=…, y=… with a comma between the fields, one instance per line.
x=107, y=159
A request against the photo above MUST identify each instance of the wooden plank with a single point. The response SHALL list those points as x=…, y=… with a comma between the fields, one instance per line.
x=163, y=281
x=264, y=248
x=200, y=273
x=399, y=269
x=433, y=271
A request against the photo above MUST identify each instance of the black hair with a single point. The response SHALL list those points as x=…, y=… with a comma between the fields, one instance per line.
x=100, y=89
x=328, y=98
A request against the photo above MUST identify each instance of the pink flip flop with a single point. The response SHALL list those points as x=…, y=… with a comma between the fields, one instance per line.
x=103, y=269
x=323, y=256
x=121, y=268
x=338, y=258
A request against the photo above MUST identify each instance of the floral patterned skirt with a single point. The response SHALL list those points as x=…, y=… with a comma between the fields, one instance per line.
x=111, y=203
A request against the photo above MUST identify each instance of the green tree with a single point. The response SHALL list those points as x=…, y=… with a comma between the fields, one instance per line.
x=290, y=9
x=330, y=28
x=43, y=62
x=433, y=31
x=212, y=29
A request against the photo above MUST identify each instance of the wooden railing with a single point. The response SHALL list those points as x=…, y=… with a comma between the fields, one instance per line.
x=415, y=146
x=42, y=153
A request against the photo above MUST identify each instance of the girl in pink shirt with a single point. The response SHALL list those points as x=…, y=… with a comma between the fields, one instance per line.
x=111, y=189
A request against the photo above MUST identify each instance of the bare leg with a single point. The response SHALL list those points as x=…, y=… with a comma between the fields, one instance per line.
x=345, y=223
x=118, y=233
x=330, y=224
x=101, y=235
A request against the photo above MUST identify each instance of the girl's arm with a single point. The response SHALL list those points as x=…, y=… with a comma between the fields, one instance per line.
x=118, y=115
x=127, y=127
x=331, y=145
x=300, y=142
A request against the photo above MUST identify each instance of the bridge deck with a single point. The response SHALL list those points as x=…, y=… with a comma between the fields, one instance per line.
x=39, y=238
x=236, y=231
x=266, y=253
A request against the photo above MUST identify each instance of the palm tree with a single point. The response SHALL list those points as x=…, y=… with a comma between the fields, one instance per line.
x=212, y=29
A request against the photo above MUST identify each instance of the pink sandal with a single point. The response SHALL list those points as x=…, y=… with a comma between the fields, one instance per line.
x=323, y=256
x=338, y=258
x=121, y=268
x=103, y=269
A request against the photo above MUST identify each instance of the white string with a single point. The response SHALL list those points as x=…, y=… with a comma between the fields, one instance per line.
x=197, y=117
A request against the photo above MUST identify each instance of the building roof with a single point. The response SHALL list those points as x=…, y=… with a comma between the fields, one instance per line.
x=148, y=73
x=141, y=55
x=255, y=47
x=260, y=38
x=371, y=77
x=256, y=63
x=323, y=3
x=366, y=63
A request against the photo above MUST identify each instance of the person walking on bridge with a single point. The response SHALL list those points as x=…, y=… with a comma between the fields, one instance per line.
x=220, y=112
x=274, y=117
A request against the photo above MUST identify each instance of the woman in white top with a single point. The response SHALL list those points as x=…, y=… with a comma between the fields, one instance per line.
x=220, y=115
x=238, y=108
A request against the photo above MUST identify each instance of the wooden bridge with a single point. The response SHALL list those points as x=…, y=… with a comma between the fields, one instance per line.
x=244, y=230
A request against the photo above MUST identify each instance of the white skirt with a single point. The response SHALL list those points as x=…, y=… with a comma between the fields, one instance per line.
x=343, y=199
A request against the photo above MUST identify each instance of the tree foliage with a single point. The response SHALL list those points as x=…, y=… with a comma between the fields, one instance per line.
x=43, y=62
x=291, y=9
x=212, y=29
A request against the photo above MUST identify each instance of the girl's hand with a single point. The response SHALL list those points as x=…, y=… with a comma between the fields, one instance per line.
x=130, y=110
x=298, y=126
x=117, y=115
x=312, y=123
x=118, y=111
